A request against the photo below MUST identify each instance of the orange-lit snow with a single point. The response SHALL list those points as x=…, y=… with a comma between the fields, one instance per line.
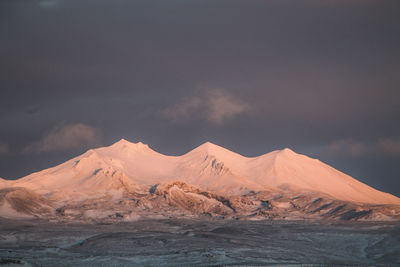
x=210, y=167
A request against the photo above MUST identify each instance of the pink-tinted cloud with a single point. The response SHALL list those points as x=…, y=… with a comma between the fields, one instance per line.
x=389, y=146
x=222, y=106
x=184, y=109
x=353, y=148
x=214, y=105
x=3, y=148
x=65, y=138
x=348, y=147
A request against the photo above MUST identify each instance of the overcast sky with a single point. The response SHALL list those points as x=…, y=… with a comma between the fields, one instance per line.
x=320, y=77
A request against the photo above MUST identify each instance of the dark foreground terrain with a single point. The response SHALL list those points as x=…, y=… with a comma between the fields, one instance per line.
x=177, y=242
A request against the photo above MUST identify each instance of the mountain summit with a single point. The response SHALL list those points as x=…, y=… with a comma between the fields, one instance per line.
x=209, y=172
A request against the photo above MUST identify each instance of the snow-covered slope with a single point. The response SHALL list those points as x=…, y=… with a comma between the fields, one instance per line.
x=3, y=182
x=127, y=167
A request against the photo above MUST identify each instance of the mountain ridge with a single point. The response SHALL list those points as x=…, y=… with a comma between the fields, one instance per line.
x=212, y=162
x=124, y=171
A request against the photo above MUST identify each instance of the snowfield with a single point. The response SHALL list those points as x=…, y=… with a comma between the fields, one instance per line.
x=127, y=181
x=127, y=205
x=209, y=167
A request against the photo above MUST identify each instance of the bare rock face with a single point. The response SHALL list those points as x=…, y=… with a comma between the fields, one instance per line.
x=128, y=181
x=18, y=202
x=179, y=199
x=194, y=201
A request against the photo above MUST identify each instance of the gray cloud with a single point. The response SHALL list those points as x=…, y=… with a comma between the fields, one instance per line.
x=222, y=106
x=48, y=3
x=66, y=138
x=353, y=148
x=184, y=109
x=389, y=146
x=216, y=106
x=3, y=148
x=347, y=147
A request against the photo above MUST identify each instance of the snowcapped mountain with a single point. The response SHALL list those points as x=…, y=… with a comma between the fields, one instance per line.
x=209, y=179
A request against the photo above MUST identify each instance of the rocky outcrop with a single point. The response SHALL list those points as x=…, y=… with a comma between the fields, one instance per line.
x=20, y=202
x=180, y=199
x=126, y=181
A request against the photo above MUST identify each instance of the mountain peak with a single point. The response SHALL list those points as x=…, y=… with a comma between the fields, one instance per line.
x=124, y=145
x=212, y=167
x=287, y=151
x=211, y=149
x=208, y=146
x=124, y=142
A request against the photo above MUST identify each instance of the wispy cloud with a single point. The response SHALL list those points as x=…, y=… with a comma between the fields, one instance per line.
x=184, y=109
x=3, y=148
x=353, y=148
x=66, y=138
x=389, y=146
x=347, y=147
x=214, y=105
x=48, y=3
x=223, y=106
